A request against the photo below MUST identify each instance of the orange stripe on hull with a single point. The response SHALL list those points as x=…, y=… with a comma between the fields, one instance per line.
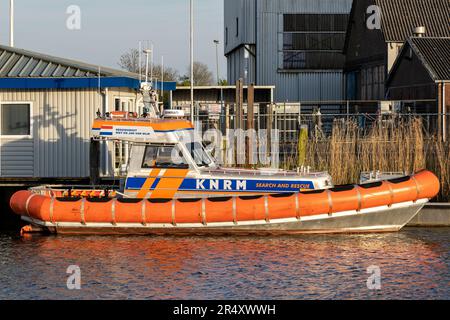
x=169, y=184
x=148, y=183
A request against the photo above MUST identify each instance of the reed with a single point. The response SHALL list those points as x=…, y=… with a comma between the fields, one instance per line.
x=394, y=145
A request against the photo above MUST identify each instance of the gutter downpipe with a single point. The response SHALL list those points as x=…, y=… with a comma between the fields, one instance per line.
x=444, y=114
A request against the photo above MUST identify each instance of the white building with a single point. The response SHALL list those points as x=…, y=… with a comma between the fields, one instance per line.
x=47, y=107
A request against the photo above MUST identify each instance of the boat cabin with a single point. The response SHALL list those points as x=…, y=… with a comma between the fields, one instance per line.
x=167, y=159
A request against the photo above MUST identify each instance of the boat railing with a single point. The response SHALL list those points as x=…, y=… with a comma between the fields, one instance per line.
x=262, y=172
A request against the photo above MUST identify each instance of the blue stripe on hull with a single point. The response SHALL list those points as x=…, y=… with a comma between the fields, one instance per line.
x=227, y=185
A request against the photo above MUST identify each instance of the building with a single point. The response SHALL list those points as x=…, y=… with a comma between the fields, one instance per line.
x=371, y=51
x=295, y=45
x=422, y=72
x=47, y=106
x=219, y=94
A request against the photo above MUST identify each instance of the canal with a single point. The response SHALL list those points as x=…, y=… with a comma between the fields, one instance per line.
x=412, y=264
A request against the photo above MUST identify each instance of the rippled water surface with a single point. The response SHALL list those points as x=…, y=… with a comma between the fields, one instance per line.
x=415, y=264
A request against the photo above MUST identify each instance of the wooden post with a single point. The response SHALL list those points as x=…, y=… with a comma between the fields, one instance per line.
x=237, y=106
x=250, y=123
x=440, y=108
x=94, y=161
x=269, y=128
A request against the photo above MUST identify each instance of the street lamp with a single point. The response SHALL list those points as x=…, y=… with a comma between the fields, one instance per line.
x=217, y=42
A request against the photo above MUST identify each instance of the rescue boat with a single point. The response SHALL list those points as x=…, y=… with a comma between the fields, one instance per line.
x=173, y=185
x=376, y=207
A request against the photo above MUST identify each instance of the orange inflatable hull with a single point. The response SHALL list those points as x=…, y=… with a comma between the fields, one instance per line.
x=281, y=213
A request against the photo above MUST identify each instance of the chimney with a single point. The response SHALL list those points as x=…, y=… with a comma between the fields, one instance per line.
x=420, y=31
x=11, y=23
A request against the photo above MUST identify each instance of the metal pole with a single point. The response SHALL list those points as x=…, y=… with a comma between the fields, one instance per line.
x=11, y=21
x=146, y=66
x=162, y=78
x=140, y=61
x=192, y=57
x=217, y=61
x=151, y=67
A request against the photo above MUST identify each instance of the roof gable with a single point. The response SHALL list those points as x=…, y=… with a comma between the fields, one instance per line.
x=433, y=54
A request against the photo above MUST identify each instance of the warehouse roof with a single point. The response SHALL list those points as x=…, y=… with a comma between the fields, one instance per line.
x=20, y=63
x=25, y=69
x=399, y=18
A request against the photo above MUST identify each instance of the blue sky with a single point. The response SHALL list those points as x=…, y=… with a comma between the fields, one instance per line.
x=111, y=27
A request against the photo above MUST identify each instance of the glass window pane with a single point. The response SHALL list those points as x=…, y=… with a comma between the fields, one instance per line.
x=163, y=157
x=15, y=119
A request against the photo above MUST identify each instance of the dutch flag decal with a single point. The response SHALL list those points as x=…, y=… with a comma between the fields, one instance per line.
x=106, y=131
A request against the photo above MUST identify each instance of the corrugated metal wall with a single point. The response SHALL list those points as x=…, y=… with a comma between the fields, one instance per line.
x=237, y=65
x=294, y=86
x=61, y=123
x=290, y=86
x=244, y=11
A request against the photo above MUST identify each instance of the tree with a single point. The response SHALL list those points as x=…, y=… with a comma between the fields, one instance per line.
x=130, y=61
x=202, y=76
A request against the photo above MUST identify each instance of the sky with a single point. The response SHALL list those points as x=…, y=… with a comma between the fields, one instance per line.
x=110, y=28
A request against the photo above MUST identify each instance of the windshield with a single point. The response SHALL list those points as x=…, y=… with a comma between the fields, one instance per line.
x=199, y=155
x=163, y=156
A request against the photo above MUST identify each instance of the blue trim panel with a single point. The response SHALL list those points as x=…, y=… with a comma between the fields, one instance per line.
x=75, y=83
x=227, y=185
x=68, y=83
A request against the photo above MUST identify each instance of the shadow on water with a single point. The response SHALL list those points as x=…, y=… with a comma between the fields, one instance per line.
x=414, y=264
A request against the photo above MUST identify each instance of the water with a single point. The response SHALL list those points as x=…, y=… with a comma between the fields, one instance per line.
x=414, y=264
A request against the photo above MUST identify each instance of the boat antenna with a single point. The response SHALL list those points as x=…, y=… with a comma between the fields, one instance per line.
x=140, y=61
x=99, y=91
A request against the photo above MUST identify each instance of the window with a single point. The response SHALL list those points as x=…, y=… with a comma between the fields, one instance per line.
x=313, y=41
x=237, y=27
x=16, y=119
x=226, y=36
x=199, y=154
x=163, y=156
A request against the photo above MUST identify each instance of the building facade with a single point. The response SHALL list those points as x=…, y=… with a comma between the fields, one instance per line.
x=47, y=107
x=422, y=72
x=294, y=45
x=372, y=46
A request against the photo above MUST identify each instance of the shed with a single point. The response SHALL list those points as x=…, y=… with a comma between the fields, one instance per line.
x=47, y=106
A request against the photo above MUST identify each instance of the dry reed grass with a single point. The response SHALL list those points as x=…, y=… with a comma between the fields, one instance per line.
x=394, y=145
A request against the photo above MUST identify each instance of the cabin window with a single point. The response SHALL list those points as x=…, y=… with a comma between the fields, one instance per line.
x=226, y=36
x=199, y=154
x=15, y=119
x=313, y=41
x=163, y=156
